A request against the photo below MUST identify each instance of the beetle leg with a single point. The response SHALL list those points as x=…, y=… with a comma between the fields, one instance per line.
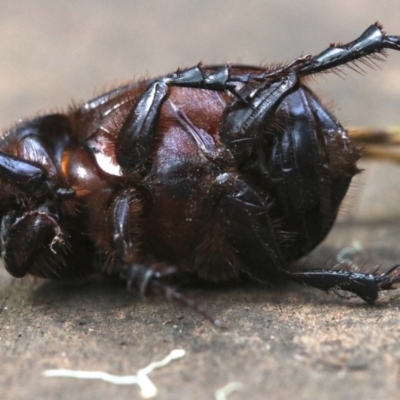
x=372, y=42
x=242, y=124
x=24, y=175
x=369, y=45
x=241, y=210
x=365, y=285
x=21, y=238
x=248, y=228
x=137, y=136
x=208, y=77
x=136, y=139
x=152, y=279
x=148, y=277
x=46, y=136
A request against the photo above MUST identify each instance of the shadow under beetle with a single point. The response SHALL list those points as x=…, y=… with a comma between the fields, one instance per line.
x=217, y=171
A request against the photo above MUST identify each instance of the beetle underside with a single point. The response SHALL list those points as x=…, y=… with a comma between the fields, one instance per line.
x=219, y=171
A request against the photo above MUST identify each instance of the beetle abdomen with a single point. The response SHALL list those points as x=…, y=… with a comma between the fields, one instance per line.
x=309, y=166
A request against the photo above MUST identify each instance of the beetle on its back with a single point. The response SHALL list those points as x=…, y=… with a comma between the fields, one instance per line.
x=218, y=171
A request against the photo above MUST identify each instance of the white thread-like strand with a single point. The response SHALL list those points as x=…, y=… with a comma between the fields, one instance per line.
x=343, y=256
x=147, y=387
x=224, y=392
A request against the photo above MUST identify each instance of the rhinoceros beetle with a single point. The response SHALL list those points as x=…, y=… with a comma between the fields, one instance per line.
x=219, y=171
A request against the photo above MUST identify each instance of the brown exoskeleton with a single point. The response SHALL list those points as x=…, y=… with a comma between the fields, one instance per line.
x=218, y=171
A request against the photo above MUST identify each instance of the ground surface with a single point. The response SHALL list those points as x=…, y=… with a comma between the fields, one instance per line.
x=281, y=343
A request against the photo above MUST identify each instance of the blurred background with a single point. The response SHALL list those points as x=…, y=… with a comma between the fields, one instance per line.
x=54, y=51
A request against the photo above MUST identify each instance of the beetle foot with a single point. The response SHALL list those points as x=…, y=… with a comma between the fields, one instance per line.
x=368, y=286
x=388, y=279
x=152, y=280
x=365, y=285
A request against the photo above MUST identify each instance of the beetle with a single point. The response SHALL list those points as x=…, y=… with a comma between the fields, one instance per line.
x=217, y=171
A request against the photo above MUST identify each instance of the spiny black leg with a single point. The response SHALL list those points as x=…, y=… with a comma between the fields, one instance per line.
x=366, y=286
x=242, y=124
x=195, y=77
x=207, y=77
x=136, y=138
x=389, y=278
x=372, y=42
x=151, y=280
x=147, y=276
x=247, y=226
x=123, y=232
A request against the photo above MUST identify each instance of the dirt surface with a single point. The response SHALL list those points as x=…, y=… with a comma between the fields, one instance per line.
x=281, y=343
